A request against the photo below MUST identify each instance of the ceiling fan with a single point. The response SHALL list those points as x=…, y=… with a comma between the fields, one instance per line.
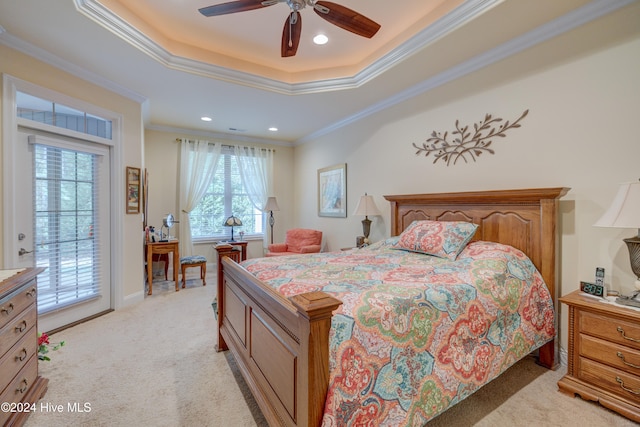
x=334, y=13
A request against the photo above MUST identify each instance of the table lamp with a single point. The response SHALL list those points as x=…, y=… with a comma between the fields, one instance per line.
x=232, y=221
x=272, y=205
x=366, y=206
x=624, y=212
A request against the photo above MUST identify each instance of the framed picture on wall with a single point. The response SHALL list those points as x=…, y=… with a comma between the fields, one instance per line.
x=133, y=190
x=332, y=191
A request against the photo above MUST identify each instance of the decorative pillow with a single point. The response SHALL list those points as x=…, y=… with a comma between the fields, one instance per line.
x=444, y=239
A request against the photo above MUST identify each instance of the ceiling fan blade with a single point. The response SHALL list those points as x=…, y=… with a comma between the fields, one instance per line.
x=347, y=19
x=291, y=35
x=234, y=6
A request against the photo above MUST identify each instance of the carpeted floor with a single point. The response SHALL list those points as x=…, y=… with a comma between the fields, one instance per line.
x=154, y=364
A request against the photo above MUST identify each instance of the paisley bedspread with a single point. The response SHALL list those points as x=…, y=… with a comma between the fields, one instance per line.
x=417, y=334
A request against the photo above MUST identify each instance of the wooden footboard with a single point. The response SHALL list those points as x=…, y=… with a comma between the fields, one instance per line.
x=281, y=345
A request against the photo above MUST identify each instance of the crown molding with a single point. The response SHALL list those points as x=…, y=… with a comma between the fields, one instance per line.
x=585, y=14
x=574, y=19
x=49, y=58
x=107, y=19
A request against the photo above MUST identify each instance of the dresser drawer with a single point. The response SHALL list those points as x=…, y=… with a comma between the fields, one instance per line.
x=612, y=354
x=17, y=357
x=616, y=381
x=16, y=329
x=13, y=304
x=19, y=386
x=610, y=328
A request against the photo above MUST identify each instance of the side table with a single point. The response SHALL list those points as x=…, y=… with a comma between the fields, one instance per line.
x=162, y=248
x=224, y=250
x=604, y=354
x=242, y=244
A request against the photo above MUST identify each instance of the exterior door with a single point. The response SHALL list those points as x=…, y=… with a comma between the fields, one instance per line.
x=63, y=224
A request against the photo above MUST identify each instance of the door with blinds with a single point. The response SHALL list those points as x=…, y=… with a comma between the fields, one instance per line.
x=64, y=224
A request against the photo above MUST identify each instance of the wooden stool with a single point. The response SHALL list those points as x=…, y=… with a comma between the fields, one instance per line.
x=194, y=261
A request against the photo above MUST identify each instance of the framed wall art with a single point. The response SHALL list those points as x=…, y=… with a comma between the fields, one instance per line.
x=133, y=190
x=332, y=191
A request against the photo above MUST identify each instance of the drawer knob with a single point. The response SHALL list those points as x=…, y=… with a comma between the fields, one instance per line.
x=621, y=356
x=23, y=355
x=32, y=292
x=619, y=329
x=7, y=310
x=619, y=380
x=22, y=326
x=24, y=386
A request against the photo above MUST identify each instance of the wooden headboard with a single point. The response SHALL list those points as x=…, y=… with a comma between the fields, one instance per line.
x=525, y=219
x=281, y=345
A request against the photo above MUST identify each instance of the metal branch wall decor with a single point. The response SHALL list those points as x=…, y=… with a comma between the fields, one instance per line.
x=465, y=143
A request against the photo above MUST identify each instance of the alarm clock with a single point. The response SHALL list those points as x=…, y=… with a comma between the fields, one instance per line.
x=593, y=289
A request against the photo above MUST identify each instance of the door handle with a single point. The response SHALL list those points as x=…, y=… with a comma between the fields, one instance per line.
x=23, y=251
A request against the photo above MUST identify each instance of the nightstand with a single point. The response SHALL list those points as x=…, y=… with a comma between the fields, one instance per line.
x=604, y=354
x=224, y=249
x=242, y=244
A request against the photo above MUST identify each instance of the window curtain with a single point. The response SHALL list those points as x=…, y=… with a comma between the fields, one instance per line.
x=198, y=161
x=256, y=171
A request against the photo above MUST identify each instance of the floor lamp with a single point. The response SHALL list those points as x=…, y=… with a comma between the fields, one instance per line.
x=272, y=205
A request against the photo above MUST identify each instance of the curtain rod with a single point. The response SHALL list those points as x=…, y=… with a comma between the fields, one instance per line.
x=226, y=145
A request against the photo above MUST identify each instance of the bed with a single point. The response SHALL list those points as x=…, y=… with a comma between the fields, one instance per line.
x=299, y=353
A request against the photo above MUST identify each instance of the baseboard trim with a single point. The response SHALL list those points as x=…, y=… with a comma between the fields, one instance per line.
x=564, y=357
x=77, y=322
x=133, y=298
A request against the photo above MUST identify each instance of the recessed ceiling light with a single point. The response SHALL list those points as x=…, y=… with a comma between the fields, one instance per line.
x=205, y=119
x=320, y=39
x=273, y=129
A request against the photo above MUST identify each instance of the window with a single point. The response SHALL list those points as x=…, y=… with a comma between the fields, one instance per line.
x=225, y=196
x=58, y=115
x=65, y=201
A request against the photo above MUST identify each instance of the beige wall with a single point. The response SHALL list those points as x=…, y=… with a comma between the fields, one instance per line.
x=583, y=96
x=581, y=132
x=128, y=280
x=162, y=157
x=159, y=154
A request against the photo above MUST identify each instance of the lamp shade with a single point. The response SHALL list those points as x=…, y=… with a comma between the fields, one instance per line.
x=624, y=211
x=232, y=221
x=271, y=205
x=366, y=206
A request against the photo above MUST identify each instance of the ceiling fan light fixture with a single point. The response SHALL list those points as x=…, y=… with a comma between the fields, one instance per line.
x=320, y=39
x=334, y=13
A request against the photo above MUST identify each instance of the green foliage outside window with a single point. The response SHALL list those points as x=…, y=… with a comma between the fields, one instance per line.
x=225, y=196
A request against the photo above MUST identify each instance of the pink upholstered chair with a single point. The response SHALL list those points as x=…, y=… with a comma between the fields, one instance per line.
x=297, y=241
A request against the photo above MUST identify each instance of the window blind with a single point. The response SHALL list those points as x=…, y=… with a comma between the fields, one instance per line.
x=225, y=196
x=66, y=226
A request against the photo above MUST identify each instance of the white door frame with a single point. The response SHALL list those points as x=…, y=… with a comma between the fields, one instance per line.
x=10, y=123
